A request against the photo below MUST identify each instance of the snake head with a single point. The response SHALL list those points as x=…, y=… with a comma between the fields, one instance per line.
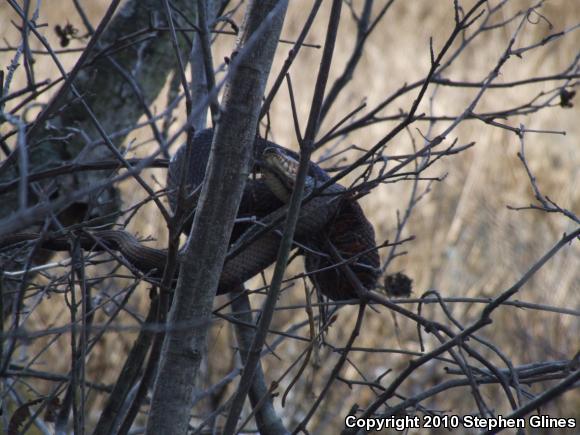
x=279, y=171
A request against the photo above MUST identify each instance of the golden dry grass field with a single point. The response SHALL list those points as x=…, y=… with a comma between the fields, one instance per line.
x=467, y=242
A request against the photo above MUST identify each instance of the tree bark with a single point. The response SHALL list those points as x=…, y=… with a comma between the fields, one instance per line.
x=268, y=422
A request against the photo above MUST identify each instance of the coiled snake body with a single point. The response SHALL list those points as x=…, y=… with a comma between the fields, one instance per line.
x=332, y=217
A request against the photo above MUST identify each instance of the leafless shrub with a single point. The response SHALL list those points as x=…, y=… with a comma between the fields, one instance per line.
x=83, y=330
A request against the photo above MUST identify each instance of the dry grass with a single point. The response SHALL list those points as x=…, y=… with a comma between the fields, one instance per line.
x=467, y=242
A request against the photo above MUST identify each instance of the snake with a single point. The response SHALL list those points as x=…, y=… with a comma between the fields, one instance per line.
x=332, y=217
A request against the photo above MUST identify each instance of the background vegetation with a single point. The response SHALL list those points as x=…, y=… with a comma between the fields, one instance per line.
x=467, y=242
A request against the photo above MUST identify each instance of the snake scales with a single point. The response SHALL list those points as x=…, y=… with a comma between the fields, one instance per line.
x=332, y=216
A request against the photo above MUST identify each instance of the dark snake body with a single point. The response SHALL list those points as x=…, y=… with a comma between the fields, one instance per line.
x=332, y=216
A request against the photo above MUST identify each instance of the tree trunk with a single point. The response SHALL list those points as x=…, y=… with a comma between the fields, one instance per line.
x=118, y=81
x=228, y=168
